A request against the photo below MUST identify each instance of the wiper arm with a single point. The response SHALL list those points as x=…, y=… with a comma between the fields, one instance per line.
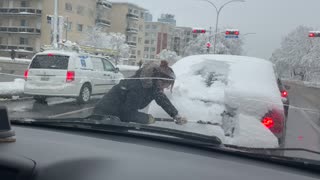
x=123, y=128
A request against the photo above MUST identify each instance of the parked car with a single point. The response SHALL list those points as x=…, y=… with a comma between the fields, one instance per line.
x=69, y=74
x=208, y=87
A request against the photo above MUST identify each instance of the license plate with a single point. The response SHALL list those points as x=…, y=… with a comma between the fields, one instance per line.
x=45, y=78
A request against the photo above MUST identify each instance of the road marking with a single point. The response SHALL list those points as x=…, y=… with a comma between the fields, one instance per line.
x=311, y=122
x=71, y=112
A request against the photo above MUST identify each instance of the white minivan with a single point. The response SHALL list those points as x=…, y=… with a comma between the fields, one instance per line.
x=69, y=74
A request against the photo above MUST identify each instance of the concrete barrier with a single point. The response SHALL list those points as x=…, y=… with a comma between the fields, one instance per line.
x=10, y=69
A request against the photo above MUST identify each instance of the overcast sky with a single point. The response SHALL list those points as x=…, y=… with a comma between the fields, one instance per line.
x=270, y=19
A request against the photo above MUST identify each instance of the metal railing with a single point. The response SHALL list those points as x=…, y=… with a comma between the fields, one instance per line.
x=133, y=16
x=4, y=47
x=130, y=43
x=22, y=29
x=104, y=4
x=20, y=11
x=103, y=22
x=132, y=30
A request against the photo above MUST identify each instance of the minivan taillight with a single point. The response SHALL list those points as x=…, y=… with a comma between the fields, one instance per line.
x=26, y=73
x=70, y=76
x=268, y=122
x=274, y=120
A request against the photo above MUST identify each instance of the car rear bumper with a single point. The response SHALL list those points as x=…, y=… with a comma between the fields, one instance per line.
x=65, y=90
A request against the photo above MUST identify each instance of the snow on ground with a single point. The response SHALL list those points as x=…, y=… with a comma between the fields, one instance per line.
x=206, y=84
x=127, y=68
x=8, y=59
x=12, y=88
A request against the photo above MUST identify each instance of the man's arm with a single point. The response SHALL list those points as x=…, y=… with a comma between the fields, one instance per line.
x=163, y=101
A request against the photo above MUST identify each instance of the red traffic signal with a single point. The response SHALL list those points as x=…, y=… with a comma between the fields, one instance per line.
x=208, y=45
x=313, y=34
x=202, y=31
x=233, y=32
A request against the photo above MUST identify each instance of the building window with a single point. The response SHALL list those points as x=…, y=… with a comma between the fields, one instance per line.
x=0, y=40
x=80, y=10
x=188, y=40
x=136, y=12
x=152, y=41
x=141, y=15
x=146, y=34
x=69, y=26
x=23, y=22
x=24, y=41
x=148, y=26
x=24, y=4
x=133, y=52
x=146, y=41
x=139, y=52
x=80, y=27
x=140, y=40
x=68, y=7
x=154, y=26
x=153, y=49
x=151, y=56
x=134, y=39
x=130, y=10
x=146, y=49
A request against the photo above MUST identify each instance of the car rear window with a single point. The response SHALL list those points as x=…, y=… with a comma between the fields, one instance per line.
x=50, y=62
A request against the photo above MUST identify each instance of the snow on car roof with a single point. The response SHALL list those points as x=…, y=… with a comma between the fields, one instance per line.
x=59, y=52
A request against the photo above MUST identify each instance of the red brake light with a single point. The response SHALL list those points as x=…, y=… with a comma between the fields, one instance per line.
x=284, y=94
x=311, y=35
x=26, y=73
x=268, y=122
x=227, y=32
x=236, y=33
x=70, y=76
x=50, y=54
x=203, y=31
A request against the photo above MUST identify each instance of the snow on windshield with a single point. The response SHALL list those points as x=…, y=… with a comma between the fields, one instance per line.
x=206, y=83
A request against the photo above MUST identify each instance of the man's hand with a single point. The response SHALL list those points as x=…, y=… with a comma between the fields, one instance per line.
x=180, y=120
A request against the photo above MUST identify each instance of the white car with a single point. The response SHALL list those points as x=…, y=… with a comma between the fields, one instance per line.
x=69, y=74
x=238, y=93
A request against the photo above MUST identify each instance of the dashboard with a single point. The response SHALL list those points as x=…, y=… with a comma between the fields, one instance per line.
x=53, y=154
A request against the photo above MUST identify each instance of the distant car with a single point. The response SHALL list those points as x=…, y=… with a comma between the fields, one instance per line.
x=284, y=96
x=210, y=86
x=69, y=74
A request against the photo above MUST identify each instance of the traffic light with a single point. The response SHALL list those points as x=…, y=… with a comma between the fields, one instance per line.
x=202, y=31
x=313, y=34
x=232, y=32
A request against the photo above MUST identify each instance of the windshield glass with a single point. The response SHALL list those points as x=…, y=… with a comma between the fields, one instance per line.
x=245, y=72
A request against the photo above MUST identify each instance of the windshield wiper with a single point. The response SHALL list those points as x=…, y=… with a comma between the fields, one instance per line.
x=116, y=126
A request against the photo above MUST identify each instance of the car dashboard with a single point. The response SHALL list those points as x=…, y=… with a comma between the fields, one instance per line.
x=51, y=154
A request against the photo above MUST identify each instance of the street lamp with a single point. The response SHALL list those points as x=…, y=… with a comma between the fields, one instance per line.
x=218, y=10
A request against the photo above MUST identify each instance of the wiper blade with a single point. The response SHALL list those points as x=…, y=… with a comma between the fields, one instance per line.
x=122, y=127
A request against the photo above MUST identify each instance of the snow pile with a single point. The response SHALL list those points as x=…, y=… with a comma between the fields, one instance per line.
x=18, y=60
x=205, y=84
x=12, y=88
x=127, y=68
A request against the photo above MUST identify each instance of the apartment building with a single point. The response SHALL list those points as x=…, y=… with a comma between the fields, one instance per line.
x=158, y=36
x=168, y=18
x=128, y=19
x=26, y=25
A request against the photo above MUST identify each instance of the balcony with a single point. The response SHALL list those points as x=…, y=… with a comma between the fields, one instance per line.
x=103, y=22
x=133, y=16
x=22, y=30
x=132, y=30
x=132, y=44
x=104, y=4
x=18, y=48
x=20, y=11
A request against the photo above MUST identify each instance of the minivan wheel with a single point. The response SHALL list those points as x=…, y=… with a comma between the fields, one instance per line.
x=40, y=99
x=85, y=94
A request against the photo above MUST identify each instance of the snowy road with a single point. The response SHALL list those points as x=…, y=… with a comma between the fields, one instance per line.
x=303, y=125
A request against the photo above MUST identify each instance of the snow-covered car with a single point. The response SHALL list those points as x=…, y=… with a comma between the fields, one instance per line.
x=69, y=74
x=238, y=95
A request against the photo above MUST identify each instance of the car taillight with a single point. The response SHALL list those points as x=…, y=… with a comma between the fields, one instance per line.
x=70, y=76
x=26, y=73
x=284, y=94
x=268, y=122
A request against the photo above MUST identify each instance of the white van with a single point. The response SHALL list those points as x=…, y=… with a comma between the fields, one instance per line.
x=69, y=74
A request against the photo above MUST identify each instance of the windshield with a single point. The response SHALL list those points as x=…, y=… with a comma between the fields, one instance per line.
x=245, y=72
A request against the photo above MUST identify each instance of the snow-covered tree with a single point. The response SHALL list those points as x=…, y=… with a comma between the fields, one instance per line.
x=224, y=46
x=95, y=37
x=298, y=56
x=170, y=56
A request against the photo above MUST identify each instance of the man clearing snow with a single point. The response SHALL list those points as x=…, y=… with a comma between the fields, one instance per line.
x=125, y=99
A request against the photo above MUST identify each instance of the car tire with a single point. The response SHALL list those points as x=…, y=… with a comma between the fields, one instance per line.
x=85, y=94
x=40, y=99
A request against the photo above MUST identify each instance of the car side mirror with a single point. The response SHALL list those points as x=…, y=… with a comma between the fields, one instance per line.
x=116, y=70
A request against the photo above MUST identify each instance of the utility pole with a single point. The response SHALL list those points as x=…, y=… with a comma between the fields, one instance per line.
x=55, y=24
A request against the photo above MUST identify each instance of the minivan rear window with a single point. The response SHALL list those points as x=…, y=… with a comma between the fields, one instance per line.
x=50, y=62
